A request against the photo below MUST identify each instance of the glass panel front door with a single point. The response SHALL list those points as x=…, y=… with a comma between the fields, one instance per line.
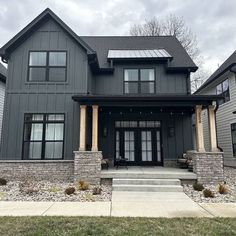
x=129, y=142
x=146, y=145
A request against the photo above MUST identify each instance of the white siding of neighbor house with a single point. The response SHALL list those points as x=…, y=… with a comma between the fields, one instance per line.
x=224, y=119
x=2, y=96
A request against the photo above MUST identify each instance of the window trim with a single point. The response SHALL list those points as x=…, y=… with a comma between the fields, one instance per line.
x=43, y=141
x=139, y=81
x=233, y=130
x=47, y=67
x=223, y=92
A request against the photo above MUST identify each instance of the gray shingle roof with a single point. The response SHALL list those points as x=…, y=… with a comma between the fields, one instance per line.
x=102, y=44
x=231, y=61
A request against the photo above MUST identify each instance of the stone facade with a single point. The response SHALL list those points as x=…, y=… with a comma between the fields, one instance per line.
x=87, y=166
x=208, y=166
x=38, y=170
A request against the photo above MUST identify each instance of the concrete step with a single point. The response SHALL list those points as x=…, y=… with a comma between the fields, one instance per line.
x=147, y=188
x=146, y=181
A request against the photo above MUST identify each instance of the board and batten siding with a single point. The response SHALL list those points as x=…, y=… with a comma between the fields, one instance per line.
x=43, y=97
x=224, y=119
x=2, y=97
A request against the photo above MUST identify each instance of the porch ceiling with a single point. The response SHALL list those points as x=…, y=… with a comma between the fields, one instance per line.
x=146, y=100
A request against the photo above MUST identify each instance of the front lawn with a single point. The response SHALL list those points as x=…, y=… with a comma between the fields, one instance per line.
x=116, y=226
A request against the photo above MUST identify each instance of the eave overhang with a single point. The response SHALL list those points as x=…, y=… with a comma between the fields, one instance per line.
x=137, y=100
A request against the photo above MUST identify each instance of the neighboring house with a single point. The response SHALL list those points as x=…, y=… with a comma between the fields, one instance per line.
x=223, y=81
x=124, y=96
x=3, y=75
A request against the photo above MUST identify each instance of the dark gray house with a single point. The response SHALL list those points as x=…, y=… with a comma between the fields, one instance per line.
x=3, y=74
x=105, y=96
x=223, y=81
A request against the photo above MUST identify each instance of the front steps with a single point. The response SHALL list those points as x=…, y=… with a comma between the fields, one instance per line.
x=147, y=185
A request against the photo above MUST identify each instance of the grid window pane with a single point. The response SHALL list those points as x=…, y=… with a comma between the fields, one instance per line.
x=53, y=150
x=147, y=75
x=32, y=150
x=54, y=131
x=131, y=75
x=225, y=85
x=33, y=132
x=147, y=87
x=33, y=117
x=219, y=89
x=55, y=117
x=37, y=74
x=57, y=58
x=131, y=87
x=57, y=74
x=37, y=58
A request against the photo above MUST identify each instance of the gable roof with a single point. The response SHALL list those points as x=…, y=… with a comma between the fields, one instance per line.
x=3, y=73
x=24, y=33
x=102, y=44
x=226, y=66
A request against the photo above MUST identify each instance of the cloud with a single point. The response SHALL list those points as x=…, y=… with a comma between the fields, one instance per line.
x=213, y=24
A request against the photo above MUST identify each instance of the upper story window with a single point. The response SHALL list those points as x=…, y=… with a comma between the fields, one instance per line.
x=139, y=81
x=47, y=66
x=223, y=89
x=233, y=132
x=43, y=136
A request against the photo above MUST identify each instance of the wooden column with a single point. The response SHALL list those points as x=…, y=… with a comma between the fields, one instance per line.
x=82, y=134
x=95, y=128
x=199, y=129
x=212, y=128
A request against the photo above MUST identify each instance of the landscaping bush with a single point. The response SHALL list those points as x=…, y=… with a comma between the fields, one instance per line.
x=88, y=197
x=69, y=190
x=198, y=186
x=3, y=181
x=83, y=185
x=208, y=193
x=97, y=191
x=222, y=189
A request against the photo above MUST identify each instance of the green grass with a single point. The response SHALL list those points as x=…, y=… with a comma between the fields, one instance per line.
x=116, y=226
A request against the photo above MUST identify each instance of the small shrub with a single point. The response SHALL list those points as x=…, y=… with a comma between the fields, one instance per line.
x=97, y=191
x=222, y=189
x=208, y=193
x=88, y=197
x=83, y=185
x=198, y=186
x=69, y=190
x=2, y=195
x=53, y=189
x=3, y=181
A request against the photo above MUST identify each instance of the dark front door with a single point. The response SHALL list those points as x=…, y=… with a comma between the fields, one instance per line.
x=140, y=146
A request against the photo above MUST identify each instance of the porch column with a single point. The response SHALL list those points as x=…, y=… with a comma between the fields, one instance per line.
x=82, y=134
x=95, y=129
x=212, y=128
x=199, y=129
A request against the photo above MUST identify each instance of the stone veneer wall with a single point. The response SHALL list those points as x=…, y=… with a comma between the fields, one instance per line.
x=208, y=166
x=87, y=166
x=38, y=170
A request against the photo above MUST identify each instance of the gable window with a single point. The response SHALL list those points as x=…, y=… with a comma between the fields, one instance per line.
x=47, y=66
x=43, y=136
x=223, y=89
x=139, y=81
x=233, y=133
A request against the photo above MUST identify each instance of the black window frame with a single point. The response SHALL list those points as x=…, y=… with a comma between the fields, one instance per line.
x=233, y=144
x=139, y=81
x=44, y=141
x=225, y=94
x=47, y=67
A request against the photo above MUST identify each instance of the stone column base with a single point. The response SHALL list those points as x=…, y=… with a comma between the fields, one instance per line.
x=208, y=166
x=87, y=166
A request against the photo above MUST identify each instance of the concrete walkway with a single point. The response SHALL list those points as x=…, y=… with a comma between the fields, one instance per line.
x=133, y=204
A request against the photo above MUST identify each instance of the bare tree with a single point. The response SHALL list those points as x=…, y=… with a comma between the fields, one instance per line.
x=176, y=26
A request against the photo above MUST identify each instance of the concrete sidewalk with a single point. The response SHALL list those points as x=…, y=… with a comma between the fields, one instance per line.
x=132, y=204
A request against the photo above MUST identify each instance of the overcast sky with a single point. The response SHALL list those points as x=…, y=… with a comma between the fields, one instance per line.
x=213, y=22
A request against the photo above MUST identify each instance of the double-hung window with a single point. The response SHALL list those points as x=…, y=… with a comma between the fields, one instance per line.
x=233, y=133
x=47, y=66
x=43, y=136
x=139, y=81
x=223, y=89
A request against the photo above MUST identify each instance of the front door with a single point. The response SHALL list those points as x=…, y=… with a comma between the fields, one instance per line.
x=140, y=146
